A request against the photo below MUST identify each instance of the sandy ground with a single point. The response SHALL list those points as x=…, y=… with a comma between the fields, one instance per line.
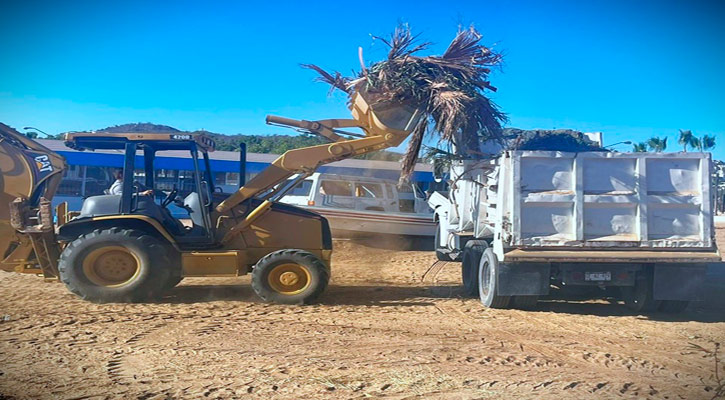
x=390, y=325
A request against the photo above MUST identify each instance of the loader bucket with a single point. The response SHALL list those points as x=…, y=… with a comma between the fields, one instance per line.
x=384, y=116
x=30, y=171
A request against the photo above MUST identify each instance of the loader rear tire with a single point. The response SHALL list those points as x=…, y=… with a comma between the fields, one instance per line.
x=488, y=282
x=290, y=277
x=472, y=253
x=116, y=266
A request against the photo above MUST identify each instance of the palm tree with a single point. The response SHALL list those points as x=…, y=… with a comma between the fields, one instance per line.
x=695, y=143
x=707, y=142
x=657, y=144
x=687, y=139
x=639, y=147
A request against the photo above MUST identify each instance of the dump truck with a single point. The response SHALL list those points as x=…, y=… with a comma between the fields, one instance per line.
x=637, y=225
x=128, y=247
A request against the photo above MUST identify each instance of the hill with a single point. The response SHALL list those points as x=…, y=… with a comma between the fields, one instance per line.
x=561, y=139
x=273, y=144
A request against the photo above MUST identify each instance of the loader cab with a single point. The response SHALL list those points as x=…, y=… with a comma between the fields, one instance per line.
x=191, y=201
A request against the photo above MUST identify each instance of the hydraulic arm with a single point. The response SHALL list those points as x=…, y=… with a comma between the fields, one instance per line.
x=384, y=125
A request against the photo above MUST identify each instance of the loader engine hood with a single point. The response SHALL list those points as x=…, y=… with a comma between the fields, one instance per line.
x=31, y=171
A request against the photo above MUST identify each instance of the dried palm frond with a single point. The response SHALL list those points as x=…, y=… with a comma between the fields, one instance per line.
x=400, y=42
x=336, y=81
x=449, y=89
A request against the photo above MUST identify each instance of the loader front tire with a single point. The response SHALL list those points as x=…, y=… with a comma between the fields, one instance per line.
x=116, y=266
x=290, y=276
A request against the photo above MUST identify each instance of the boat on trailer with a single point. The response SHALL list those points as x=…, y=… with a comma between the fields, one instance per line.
x=362, y=206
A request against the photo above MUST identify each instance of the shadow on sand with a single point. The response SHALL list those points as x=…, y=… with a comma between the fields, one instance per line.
x=427, y=296
x=393, y=242
x=334, y=295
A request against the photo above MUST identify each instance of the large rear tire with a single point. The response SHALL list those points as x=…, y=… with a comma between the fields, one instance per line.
x=488, y=281
x=472, y=253
x=638, y=298
x=673, y=306
x=116, y=266
x=290, y=277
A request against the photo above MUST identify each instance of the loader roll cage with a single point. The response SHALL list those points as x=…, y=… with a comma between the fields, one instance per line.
x=149, y=144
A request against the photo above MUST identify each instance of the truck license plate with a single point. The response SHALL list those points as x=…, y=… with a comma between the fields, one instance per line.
x=597, y=276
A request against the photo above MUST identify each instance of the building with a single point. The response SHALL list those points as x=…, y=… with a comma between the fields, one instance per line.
x=90, y=172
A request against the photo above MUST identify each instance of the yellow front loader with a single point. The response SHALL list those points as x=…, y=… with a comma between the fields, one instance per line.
x=128, y=247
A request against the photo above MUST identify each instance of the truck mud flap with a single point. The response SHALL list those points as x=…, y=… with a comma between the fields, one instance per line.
x=523, y=279
x=679, y=282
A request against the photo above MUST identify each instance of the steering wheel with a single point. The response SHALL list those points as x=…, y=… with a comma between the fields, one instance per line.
x=170, y=197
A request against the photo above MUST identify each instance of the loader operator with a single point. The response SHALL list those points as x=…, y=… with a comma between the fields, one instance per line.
x=117, y=186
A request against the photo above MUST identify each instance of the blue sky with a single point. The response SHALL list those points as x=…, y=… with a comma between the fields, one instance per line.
x=631, y=69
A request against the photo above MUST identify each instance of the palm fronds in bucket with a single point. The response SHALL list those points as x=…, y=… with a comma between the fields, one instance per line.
x=450, y=89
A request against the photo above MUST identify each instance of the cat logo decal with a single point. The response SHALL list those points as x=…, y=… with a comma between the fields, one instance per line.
x=43, y=163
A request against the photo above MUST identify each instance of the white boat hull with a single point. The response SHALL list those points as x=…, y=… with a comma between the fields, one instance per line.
x=365, y=223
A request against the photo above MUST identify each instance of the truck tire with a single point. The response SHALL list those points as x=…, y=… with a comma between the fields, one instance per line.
x=440, y=255
x=673, y=306
x=290, y=277
x=116, y=265
x=469, y=267
x=638, y=298
x=488, y=281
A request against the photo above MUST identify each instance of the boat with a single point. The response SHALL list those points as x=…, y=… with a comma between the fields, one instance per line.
x=364, y=206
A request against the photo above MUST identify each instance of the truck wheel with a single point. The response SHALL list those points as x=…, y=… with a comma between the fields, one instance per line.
x=469, y=267
x=289, y=277
x=638, y=298
x=673, y=306
x=488, y=282
x=440, y=255
x=115, y=265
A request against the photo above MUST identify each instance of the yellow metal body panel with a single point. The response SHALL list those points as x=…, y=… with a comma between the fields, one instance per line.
x=25, y=165
x=277, y=230
x=224, y=263
x=204, y=142
x=157, y=225
x=243, y=224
